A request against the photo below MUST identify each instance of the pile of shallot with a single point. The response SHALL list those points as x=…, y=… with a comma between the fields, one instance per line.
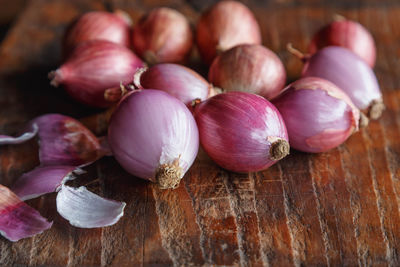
x=243, y=115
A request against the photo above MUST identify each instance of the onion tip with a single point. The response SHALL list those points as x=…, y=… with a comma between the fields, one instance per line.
x=55, y=77
x=338, y=17
x=150, y=57
x=214, y=91
x=376, y=108
x=297, y=53
x=137, y=76
x=195, y=102
x=123, y=15
x=364, y=121
x=279, y=149
x=168, y=176
x=219, y=49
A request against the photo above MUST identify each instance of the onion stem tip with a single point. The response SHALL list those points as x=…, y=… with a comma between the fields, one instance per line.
x=54, y=77
x=376, y=108
x=364, y=121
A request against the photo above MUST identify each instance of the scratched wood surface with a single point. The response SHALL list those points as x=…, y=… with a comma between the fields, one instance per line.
x=335, y=208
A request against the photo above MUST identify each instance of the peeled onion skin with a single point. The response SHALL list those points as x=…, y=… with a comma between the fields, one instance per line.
x=154, y=136
x=318, y=115
x=351, y=74
x=249, y=68
x=164, y=35
x=98, y=25
x=92, y=68
x=241, y=132
x=225, y=25
x=349, y=34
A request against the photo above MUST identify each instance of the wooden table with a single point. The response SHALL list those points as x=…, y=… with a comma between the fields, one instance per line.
x=335, y=208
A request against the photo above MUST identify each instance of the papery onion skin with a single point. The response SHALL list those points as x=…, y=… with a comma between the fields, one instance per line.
x=249, y=68
x=26, y=136
x=17, y=219
x=223, y=26
x=351, y=74
x=349, y=34
x=65, y=141
x=154, y=136
x=92, y=68
x=85, y=209
x=318, y=115
x=241, y=132
x=177, y=80
x=43, y=180
x=98, y=25
x=164, y=35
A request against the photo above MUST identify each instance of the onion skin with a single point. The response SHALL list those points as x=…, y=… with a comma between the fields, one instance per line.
x=241, y=132
x=177, y=80
x=318, y=115
x=154, y=136
x=351, y=74
x=249, y=68
x=98, y=25
x=349, y=34
x=92, y=68
x=65, y=141
x=164, y=35
x=225, y=25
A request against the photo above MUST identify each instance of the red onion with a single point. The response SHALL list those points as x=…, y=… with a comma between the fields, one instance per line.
x=241, y=132
x=163, y=35
x=98, y=25
x=249, y=68
x=225, y=25
x=154, y=136
x=349, y=34
x=318, y=115
x=85, y=209
x=351, y=74
x=92, y=68
x=177, y=80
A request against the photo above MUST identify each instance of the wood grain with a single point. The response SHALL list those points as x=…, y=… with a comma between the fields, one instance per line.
x=330, y=209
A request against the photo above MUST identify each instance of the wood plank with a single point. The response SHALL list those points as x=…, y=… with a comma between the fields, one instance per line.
x=335, y=208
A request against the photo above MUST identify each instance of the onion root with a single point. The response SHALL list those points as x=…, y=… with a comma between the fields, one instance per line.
x=279, y=149
x=169, y=175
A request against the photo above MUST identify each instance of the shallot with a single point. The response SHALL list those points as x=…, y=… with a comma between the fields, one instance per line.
x=225, y=25
x=318, y=115
x=154, y=136
x=241, y=132
x=98, y=25
x=177, y=80
x=351, y=74
x=163, y=35
x=249, y=68
x=92, y=68
x=349, y=34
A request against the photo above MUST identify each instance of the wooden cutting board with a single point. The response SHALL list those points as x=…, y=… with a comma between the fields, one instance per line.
x=335, y=208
